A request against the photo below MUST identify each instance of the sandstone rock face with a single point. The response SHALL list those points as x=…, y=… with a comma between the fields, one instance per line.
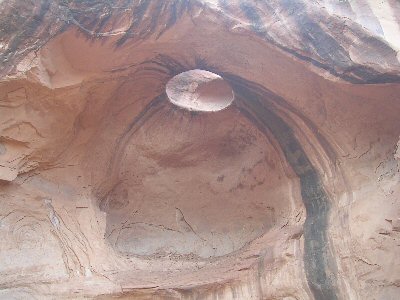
x=128, y=169
x=199, y=90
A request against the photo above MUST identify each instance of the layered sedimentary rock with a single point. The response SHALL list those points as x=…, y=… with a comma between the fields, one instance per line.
x=124, y=174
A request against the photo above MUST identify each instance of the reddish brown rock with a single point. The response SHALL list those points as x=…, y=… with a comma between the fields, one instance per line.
x=276, y=178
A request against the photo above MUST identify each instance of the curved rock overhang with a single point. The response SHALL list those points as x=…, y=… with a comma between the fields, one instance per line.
x=110, y=189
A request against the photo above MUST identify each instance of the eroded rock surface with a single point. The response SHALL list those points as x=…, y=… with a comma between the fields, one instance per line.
x=277, y=180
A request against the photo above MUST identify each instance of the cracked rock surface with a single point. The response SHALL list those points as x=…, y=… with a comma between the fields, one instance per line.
x=124, y=175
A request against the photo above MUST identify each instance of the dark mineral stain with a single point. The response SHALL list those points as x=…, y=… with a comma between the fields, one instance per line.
x=330, y=55
x=319, y=265
x=155, y=17
x=137, y=122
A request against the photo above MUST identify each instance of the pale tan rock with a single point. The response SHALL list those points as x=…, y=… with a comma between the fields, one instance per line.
x=7, y=174
x=396, y=225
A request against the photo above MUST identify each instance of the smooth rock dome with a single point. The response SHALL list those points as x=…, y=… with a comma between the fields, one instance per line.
x=200, y=149
x=199, y=90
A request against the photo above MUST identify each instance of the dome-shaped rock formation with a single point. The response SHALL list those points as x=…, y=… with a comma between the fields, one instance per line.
x=199, y=149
